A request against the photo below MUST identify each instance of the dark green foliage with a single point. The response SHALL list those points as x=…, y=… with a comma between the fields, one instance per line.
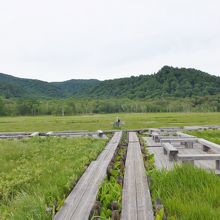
x=170, y=90
x=168, y=82
x=73, y=106
x=12, y=87
x=77, y=87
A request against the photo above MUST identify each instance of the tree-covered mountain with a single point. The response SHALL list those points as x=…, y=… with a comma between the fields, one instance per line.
x=168, y=82
x=11, y=86
x=77, y=87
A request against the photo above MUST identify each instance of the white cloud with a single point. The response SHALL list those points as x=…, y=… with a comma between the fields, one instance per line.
x=58, y=40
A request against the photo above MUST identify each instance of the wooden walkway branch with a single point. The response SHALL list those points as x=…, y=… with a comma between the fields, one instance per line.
x=81, y=200
x=136, y=199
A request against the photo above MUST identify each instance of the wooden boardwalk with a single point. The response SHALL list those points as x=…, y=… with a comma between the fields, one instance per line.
x=136, y=199
x=162, y=160
x=81, y=200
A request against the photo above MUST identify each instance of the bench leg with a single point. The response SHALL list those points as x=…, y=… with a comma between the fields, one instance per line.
x=217, y=162
x=205, y=148
x=157, y=139
x=188, y=162
x=164, y=151
x=189, y=145
x=172, y=156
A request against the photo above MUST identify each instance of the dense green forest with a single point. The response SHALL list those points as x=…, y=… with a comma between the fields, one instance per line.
x=72, y=106
x=169, y=90
x=168, y=82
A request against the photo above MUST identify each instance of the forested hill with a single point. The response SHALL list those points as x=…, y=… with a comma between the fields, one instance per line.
x=11, y=86
x=169, y=81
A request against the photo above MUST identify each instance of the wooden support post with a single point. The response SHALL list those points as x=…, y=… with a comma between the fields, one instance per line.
x=164, y=151
x=172, y=156
x=217, y=164
x=189, y=144
x=157, y=139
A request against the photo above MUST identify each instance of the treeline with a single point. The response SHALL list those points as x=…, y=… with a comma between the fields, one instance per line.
x=72, y=106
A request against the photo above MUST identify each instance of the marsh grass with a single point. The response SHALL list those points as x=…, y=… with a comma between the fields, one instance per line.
x=104, y=121
x=211, y=135
x=37, y=174
x=187, y=193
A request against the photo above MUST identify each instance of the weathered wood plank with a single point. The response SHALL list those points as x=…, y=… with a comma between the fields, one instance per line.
x=136, y=199
x=133, y=137
x=88, y=199
x=198, y=156
x=181, y=134
x=209, y=145
x=182, y=139
x=161, y=160
x=151, y=143
x=80, y=201
x=110, y=148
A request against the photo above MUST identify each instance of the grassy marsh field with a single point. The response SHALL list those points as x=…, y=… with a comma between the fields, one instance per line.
x=104, y=121
x=37, y=174
x=211, y=135
x=187, y=193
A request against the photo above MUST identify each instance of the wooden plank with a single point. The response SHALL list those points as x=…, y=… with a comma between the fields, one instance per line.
x=110, y=148
x=198, y=156
x=188, y=142
x=88, y=199
x=209, y=145
x=181, y=134
x=161, y=160
x=179, y=140
x=133, y=137
x=151, y=143
x=80, y=201
x=136, y=199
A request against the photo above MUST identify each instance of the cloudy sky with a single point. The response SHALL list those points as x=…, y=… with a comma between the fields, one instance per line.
x=69, y=39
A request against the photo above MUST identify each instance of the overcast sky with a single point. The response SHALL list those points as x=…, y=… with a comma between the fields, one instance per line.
x=70, y=39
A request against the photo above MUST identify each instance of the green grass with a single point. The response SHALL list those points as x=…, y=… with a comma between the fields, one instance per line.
x=36, y=174
x=211, y=135
x=104, y=121
x=188, y=193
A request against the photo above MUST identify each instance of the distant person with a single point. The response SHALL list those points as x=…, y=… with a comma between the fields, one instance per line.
x=118, y=121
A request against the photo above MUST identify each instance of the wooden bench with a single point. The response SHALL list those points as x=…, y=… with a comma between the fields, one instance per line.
x=136, y=198
x=170, y=150
x=187, y=158
x=207, y=145
x=154, y=136
x=80, y=201
x=188, y=142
